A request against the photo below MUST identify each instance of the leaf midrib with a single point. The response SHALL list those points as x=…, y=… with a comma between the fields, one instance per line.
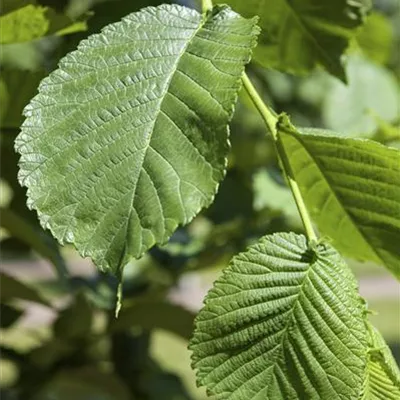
x=203, y=21
x=291, y=313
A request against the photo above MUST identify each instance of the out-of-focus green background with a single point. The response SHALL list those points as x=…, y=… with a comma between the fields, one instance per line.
x=59, y=338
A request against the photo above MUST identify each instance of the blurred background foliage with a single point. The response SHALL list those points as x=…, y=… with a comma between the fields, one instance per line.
x=59, y=337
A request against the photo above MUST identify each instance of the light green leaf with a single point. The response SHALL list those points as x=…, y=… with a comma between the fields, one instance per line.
x=24, y=24
x=375, y=38
x=372, y=91
x=284, y=321
x=268, y=193
x=129, y=137
x=298, y=35
x=351, y=188
x=32, y=22
x=382, y=378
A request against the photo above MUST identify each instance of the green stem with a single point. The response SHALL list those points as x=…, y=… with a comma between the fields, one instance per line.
x=266, y=114
x=271, y=121
x=206, y=5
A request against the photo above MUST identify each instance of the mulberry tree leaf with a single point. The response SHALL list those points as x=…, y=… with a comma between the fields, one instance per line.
x=284, y=321
x=297, y=35
x=351, y=188
x=128, y=137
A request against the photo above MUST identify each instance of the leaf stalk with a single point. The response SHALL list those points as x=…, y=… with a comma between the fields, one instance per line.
x=206, y=5
x=271, y=121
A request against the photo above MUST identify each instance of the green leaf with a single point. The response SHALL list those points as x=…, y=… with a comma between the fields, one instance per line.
x=118, y=134
x=21, y=87
x=75, y=321
x=12, y=288
x=268, y=193
x=83, y=383
x=375, y=38
x=24, y=24
x=299, y=35
x=51, y=353
x=32, y=22
x=372, y=91
x=351, y=188
x=382, y=378
x=155, y=314
x=284, y=321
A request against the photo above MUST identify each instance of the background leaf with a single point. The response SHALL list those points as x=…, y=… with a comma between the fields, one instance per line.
x=376, y=38
x=32, y=22
x=372, y=91
x=351, y=187
x=24, y=24
x=75, y=321
x=284, y=321
x=298, y=35
x=9, y=315
x=155, y=315
x=99, y=149
x=11, y=288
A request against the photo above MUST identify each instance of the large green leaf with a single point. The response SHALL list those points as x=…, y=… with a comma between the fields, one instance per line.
x=129, y=137
x=351, y=188
x=382, y=378
x=284, y=321
x=297, y=35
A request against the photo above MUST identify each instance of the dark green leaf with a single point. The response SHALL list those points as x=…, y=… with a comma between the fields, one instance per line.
x=284, y=321
x=21, y=87
x=155, y=315
x=89, y=383
x=117, y=136
x=298, y=35
x=75, y=322
x=9, y=315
